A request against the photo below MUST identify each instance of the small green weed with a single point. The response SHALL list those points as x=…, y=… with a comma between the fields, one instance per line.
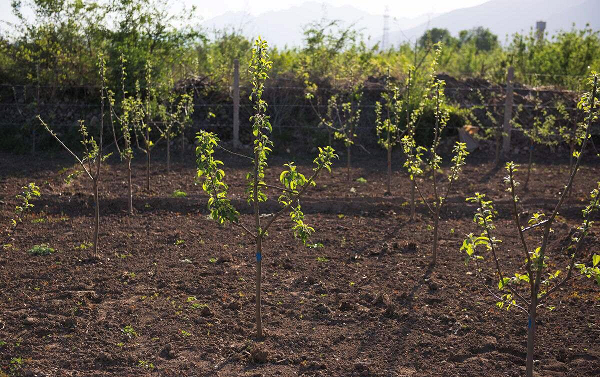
x=129, y=331
x=43, y=249
x=179, y=194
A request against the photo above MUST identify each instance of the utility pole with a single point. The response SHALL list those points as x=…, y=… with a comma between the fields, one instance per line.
x=385, y=39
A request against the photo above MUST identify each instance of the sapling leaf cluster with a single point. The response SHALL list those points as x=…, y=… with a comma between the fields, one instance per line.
x=292, y=184
x=535, y=281
x=29, y=192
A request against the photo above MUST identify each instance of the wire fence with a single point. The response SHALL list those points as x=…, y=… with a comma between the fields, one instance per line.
x=23, y=102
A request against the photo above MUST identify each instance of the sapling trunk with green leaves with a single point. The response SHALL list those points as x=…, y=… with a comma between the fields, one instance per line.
x=184, y=120
x=387, y=124
x=131, y=114
x=293, y=184
x=413, y=116
x=144, y=129
x=175, y=116
x=542, y=132
x=413, y=189
x=93, y=156
x=343, y=117
x=534, y=282
x=167, y=113
x=569, y=130
x=415, y=160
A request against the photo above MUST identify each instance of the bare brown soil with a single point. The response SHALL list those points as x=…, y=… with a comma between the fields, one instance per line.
x=366, y=304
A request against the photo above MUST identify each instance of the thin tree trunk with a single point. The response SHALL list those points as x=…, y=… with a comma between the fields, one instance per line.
x=168, y=152
x=498, y=143
x=436, y=223
x=389, y=171
x=348, y=164
x=531, y=327
x=412, y=200
x=147, y=158
x=182, y=144
x=529, y=165
x=97, y=216
x=130, y=188
x=259, y=329
x=571, y=157
x=148, y=170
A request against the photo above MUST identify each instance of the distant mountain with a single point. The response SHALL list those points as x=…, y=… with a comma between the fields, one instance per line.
x=506, y=17
x=285, y=27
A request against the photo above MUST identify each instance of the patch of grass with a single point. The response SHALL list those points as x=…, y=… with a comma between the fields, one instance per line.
x=179, y=242
x=322, y=259
x=179, y=194
x=84, y=245
x=361, y=180
x=43, y=249
x=129, y=331
x=197, y=305
x=145, y=364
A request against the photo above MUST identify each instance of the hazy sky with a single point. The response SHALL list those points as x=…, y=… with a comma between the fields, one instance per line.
x=398, y=8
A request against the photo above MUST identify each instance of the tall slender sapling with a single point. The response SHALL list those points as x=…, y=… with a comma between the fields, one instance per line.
x=343, y=117
x=93, y=156
x=387, y=123
x=293, y=184
x=414, y=161
x=533, y=283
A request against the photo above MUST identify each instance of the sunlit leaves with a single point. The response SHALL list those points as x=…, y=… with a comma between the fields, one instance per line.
x=29, y=192
x=212, y=178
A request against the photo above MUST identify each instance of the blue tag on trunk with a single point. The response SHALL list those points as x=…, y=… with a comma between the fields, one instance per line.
x=258, y=257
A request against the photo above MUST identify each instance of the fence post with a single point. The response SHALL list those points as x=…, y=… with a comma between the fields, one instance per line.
x=507, y=127
x=236, y=103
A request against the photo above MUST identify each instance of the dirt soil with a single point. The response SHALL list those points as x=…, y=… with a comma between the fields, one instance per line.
x=173, y=293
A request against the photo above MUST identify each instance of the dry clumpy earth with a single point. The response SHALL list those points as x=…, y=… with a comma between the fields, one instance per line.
x=173, y=293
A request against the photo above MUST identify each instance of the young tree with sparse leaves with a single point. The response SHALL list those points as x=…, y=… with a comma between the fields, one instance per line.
x=534, y=281
x=542, y=132
x=415, y=159
x=293, y=183
x=93, y=157
x=387, y=123
x=343, y=118
x=175, y=115
x=131, y=115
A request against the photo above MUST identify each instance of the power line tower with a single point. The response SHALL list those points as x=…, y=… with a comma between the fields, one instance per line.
x=385, y=40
